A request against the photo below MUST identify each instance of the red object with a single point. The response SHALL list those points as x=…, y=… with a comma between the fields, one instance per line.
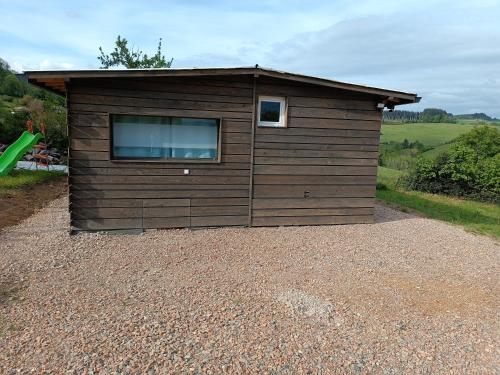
x=29, y=125
x=42, y=128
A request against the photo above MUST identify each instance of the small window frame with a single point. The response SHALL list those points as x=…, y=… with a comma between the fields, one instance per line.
x=282, y=123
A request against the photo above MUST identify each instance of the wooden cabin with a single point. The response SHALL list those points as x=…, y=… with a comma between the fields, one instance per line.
x=186, y=148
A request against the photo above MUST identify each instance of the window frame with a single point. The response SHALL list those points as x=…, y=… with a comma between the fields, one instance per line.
x=282, y=123
x=217, y=160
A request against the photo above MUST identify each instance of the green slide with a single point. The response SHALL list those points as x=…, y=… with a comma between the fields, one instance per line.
x=16, y=151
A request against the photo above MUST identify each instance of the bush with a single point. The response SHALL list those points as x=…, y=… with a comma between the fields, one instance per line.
x=11, y=125
x=400, y=156
x=471, y=168
x=12, y=86
x=381, y=186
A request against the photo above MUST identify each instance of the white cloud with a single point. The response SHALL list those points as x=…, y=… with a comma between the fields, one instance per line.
x=445, y=50
x=51, y=65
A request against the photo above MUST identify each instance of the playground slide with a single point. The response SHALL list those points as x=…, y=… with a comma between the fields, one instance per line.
x=16, y=151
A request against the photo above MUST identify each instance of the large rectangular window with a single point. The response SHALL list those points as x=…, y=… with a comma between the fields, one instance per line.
x=157, y=138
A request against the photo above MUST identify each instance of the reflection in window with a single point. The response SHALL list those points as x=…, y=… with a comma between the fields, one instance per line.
x=272, y=111
x=155, y=137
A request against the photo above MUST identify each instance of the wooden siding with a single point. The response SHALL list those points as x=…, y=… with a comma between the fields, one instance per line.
x=322, y=168
x=107, y=195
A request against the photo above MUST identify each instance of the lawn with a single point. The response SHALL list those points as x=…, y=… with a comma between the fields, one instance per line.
x=21, y=178
x=474, y=216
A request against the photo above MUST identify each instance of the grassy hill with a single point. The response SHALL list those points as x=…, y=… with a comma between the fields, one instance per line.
x=430, y=134
x=433, y=139
x=436, y=151
x=437, y=138
x=20, y=101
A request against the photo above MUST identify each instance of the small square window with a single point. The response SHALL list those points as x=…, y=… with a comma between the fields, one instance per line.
x=272, y=111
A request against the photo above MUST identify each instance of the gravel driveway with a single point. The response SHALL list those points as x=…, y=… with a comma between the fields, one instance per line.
x=404, y=295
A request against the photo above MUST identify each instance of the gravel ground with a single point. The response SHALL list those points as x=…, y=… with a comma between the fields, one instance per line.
x=404, y=295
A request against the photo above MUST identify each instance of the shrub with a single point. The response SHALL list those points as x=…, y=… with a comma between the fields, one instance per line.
x=12, y=86
x=381, y=186
x=11, y=126
x=471, y=168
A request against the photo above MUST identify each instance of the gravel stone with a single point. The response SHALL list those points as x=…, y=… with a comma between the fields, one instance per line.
x=403, y=295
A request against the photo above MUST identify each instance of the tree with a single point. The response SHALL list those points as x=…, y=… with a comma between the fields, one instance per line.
x=436, y=115
x=122, y=55
x=12, y=86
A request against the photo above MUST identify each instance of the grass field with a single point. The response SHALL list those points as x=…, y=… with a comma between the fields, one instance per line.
x=388, y=176
x=436, y=151
x=20, y=178
x=474, y=216
x=431, y=135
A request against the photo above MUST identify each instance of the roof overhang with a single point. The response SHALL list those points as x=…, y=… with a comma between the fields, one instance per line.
x=55, y=80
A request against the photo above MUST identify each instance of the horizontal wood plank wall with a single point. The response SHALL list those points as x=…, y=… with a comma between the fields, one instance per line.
x=108, y=195
x=322, y=168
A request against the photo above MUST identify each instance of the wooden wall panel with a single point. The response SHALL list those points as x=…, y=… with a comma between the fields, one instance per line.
x=108, y=195
x=321, y=168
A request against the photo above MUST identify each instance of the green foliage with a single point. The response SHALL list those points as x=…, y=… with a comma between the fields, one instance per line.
x=122, y=55
x=436, y=115
x=476, y=116
x=400, y=156
x=20, y=101
x=485, y=141
x=12, y=86
x=11, y=125
x=473, y=215
x=470, y=168
x=400, y=116
x=432, y=115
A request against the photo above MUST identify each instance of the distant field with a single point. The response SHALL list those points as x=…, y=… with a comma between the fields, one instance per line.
x=430, y=135
x=433, y=153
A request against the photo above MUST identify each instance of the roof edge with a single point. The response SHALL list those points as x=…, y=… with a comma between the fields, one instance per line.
x=55, y=79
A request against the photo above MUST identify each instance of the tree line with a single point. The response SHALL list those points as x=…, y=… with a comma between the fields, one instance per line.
x=427, y=115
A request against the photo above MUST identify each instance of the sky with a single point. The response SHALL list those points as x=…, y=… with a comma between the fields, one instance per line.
x=448, y=52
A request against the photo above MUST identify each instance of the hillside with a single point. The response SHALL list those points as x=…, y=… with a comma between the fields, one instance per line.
x=20, y=101
x=401, y=144
x=400, y=147
x=476, y=116
x=429, y=134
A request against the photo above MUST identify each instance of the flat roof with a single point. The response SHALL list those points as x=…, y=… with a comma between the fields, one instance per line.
x=55, y=80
